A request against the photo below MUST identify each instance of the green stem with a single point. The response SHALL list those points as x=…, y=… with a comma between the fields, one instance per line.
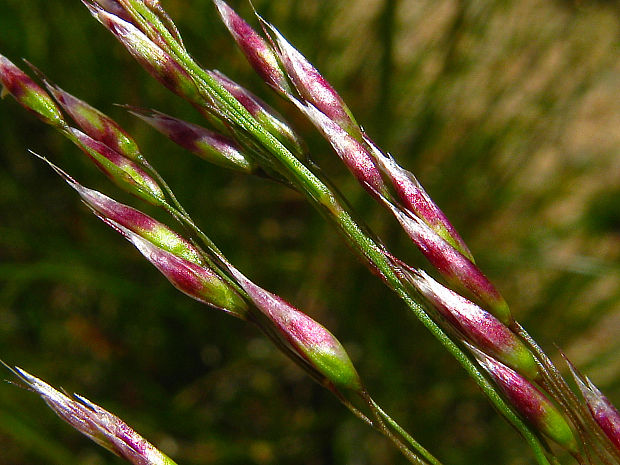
x=322, y=196
x=380, y=426
x=374, y=256
x=404, y=434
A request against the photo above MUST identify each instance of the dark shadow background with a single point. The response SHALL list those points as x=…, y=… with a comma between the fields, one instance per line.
x=508, y=113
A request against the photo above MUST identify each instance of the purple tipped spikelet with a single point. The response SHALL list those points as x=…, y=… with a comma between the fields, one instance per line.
x=121, y=170
x=453, y=265
x=353, y=154
x=263, y=113
x=481, y=328
x=529, y=402
x=313, y=87
x=312, y=341
x=143, y=225
x=199, y=282
x=97, y=125
x=602, y=410
x=97, y=424
x=116, y=8
x=28, y=94
x=257, y=51
x=146, y=227
x=173, y=255
x=416, y=200
x=151, y=57
x=211, y=146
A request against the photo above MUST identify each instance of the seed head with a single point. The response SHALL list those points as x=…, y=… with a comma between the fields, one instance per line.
x=312, y=341
x=28, y=94
x=602, y=410
x=121, y=170
x=151, y=57
x=480, y=327
x=313, y=87
x=211, y=146
x=453, y=265
x=97, y=424
x=529, y=401
x=257, y=51
x=199, y=282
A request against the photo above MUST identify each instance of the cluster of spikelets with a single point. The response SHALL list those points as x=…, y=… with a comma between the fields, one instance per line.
x=250, y=137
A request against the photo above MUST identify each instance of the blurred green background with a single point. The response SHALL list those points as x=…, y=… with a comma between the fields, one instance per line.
x=508, y=113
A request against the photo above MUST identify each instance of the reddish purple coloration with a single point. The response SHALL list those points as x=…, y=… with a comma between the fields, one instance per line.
x=480, y=327
x=198, y=282
x=263, y=113
x=15, y=81
x=528, y=401
x=188, y=277
x=28, y=94
x=353, y=154
x=127, y=216
x=603, y=411
x=313, y=87
x=206, y=144
x=453, y=265
x=94, y=123
x=256, y=50
x=156, y=61
x=112, y=163
x=250, y=102
x=114, y=7
x=186, y=134
x=97, y=424
x=297, y=327
x=136, y=221
x=311, y=340
x=416, y=200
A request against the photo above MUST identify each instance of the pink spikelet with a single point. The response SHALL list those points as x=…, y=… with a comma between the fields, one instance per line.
x=149, y=55
x=28, y=94
x=453, y=265
x=605, y=414
x=97, y=424
x=353, y=154
x=310, y=340
x=198, y=282
x=529, y=402
x=416, y=200
x=257, y=51
x=206, y=144
x=312, y=86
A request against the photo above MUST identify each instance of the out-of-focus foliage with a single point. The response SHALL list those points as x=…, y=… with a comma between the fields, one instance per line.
x=506, y=110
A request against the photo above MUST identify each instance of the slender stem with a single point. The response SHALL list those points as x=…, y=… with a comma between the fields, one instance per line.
x=404, y=434
x=162, y=182
x=315, y=375
x=380, y=425
x=357, y=412
x=321, y=196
